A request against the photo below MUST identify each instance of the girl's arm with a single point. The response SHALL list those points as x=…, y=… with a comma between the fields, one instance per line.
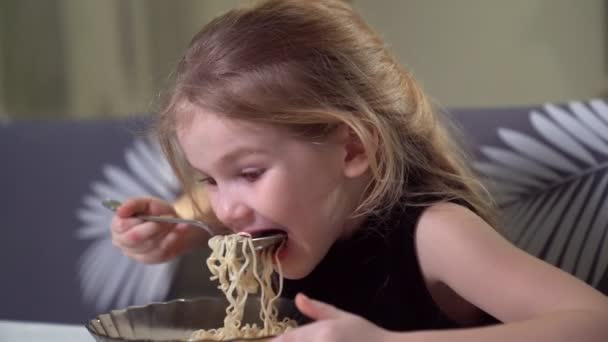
x=560, y=326
x=536, y=301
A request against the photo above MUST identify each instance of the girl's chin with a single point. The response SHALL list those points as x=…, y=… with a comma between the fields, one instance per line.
x=294, y=274
x=292, y=270
x=292, y=262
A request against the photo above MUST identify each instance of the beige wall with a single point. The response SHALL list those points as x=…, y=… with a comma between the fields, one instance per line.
x=91, y=58
x=130, y=52
x=496, y=52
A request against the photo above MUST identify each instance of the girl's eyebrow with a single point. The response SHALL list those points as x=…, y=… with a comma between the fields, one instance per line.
x=231, y=156
x=237, y=153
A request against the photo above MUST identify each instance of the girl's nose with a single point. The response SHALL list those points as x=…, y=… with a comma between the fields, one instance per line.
x=231, y=211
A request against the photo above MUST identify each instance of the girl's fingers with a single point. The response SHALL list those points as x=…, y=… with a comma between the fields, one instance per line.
x=121, y=225
x=134, y=237
x=150, y=242
x=143, y=248
x=172, y=243
x=317, y=310
x=166, y=249
x=158, y=207
x=147, y=206
x=132, y=207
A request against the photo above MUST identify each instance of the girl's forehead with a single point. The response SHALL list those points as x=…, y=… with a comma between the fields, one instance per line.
x=209, y=122
x=206, y=130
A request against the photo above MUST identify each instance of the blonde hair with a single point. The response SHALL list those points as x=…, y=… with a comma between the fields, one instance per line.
x=309, y=66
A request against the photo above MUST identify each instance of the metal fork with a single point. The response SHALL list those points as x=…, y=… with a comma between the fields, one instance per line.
x=258, y=242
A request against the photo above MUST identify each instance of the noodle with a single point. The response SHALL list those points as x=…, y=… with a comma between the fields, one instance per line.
x=234, y=263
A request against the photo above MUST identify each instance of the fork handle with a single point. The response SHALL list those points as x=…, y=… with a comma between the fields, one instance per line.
x=162, y=219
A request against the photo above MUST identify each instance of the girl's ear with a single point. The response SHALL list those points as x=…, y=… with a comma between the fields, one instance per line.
x=356, y=160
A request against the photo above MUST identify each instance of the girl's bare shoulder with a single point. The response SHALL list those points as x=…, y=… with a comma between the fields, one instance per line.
x=457, y=248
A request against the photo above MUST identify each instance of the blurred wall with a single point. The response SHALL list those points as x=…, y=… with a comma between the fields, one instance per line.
x=493, y=52
x=90, y=58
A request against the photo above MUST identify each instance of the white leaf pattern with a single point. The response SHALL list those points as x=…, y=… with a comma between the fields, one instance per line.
x=513, y=160
x=536, y=150
x=577, y=129
x=127, y=183
x=150, y=156
x=591, y=120
x=108, y=278
x=556, y=180
x=578, y=241
x=103, y=190
x=601, y=260
x=560, y=138
x=568, y=223
x=548, y=225
x=504, y=193
x=601, y=108
x=522, y=217
x=539, y=217
x=593, y=245
x=130, y=286
x=500, y=172
x=148, y=175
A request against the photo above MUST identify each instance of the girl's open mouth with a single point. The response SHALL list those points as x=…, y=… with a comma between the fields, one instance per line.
x=267, y=232
x=281, y=247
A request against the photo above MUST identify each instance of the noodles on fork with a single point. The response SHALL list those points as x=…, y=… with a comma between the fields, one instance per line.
x=241, y=271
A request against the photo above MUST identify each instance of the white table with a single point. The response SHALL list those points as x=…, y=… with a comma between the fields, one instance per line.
x=19, y=331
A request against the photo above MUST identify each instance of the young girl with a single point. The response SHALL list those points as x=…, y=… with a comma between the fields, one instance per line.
x=293, y=116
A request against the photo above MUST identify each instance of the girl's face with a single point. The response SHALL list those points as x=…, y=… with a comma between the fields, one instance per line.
x=260, y=178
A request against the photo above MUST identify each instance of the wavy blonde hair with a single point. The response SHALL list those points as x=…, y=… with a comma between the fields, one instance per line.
x=309, y=66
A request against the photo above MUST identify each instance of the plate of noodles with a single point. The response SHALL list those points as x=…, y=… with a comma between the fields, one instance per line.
x=251, y=309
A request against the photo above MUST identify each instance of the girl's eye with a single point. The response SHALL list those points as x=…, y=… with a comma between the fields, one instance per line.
x=207, y=181
x=252, y=176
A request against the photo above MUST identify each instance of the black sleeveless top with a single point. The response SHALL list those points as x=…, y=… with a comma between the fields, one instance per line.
x=375, y=274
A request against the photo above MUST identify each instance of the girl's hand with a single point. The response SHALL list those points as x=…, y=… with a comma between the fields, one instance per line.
x=332, y=325
x=152, y=242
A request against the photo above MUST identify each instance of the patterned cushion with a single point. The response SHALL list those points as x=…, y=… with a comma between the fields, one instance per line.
x=547, y=166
